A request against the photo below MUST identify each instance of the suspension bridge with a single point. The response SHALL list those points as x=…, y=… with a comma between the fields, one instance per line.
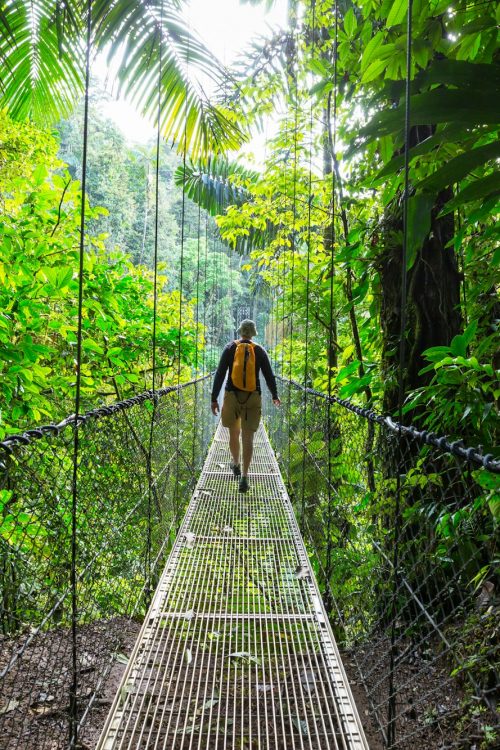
x=358, y=530
x=236, y=647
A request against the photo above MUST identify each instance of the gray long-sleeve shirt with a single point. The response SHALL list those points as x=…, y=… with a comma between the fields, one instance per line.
x=226, y=364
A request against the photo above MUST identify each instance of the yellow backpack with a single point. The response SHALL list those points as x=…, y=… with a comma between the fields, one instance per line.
x=243, y=373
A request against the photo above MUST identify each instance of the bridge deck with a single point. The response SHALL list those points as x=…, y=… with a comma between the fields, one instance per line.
x=236, y=650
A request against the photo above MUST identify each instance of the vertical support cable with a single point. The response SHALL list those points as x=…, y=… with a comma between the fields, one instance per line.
x=391, y=716
x=284, y=269
x=292, y=281
x=328, y=561
x=73, y=695
x=308, y=280
x=179, y=337
x=204, y=356
x=274, y=319
x=151, y=489
x=197, y=323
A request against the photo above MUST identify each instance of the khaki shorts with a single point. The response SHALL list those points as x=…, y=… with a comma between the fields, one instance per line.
x=242, y=405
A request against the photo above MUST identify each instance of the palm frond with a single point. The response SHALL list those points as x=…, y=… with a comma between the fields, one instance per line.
x=41, y=57
x=41, y=60
x=134, y=31
x=215, y=184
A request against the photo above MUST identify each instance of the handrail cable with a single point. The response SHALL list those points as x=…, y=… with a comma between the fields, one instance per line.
x=179, y=335
x=455, y=447
x=8, y=444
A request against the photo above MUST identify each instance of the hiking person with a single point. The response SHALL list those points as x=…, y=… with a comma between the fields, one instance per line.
x=242, y=360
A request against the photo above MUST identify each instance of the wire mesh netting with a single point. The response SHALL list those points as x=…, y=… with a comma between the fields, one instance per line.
x=138, y=462
x=236, y=650
x=402, y=531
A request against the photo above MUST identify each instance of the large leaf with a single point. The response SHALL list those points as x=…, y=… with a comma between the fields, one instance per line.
x=459, y=167
x=135, y=30
x=447, y=133
x=215, y=184
x=419, y=223
x=41, y=50
x=212, y=183
x=397, y=13
x=436, y=106
x=463, y=95
x=486, y=187
x=457, y=73
x=42, y=59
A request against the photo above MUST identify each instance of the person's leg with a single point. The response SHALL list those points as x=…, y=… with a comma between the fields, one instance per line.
x=230, y=418
x=247, y=440
x=234, y=442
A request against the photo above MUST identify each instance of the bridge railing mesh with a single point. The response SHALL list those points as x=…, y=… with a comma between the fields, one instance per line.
x=60, y=626
x=402, y=531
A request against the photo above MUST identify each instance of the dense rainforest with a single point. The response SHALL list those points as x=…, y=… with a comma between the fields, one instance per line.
x=40, y=230
x=364, y=243
x=322, y=221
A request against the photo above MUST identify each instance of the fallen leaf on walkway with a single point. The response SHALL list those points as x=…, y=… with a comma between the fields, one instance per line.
x=207, y=706
x=308, y=678
x=265, y=688
x=124, y=691
x=301, y=572
x=244, y=656
x=189, y=539
x=301, y=725
x=11, y=705
x=189, y=729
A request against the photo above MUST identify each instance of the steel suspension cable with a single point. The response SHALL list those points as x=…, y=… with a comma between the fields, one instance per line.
x=308, y=281
x=283, y=295
x=147, y=572
x=391, y=717
x=197, y=324
x=292, y=280
x=332, y=238
x=73, y=694
x=177, y=513
x=205, y=296
x=274, y=327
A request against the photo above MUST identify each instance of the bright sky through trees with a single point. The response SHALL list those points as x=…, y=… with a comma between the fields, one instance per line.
x=227, y=27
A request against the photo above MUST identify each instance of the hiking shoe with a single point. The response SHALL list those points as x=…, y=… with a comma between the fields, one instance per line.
x=243, y=484
x=235, y=468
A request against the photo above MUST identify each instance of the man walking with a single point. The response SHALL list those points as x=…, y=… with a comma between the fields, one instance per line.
x=241, y=410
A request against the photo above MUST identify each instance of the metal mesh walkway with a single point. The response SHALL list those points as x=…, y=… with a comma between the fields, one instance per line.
x=236, y=650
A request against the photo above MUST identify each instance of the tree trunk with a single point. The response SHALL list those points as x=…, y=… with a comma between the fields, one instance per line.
x=329, y=237
x=433, y=307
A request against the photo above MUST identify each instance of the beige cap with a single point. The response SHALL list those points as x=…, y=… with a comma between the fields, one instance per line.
x=247, y=329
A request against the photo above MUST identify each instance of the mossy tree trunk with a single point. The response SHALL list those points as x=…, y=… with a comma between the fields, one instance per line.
x=433, y=305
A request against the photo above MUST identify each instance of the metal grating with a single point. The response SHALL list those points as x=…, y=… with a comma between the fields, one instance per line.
x=236, y=650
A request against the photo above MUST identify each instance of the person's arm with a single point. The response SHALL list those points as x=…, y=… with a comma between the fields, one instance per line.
x=268, y=373
x=219, y=378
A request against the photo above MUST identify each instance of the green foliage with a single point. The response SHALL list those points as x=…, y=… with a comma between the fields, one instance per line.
x=42, y=48
x=454, y=147
x=39, y=240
